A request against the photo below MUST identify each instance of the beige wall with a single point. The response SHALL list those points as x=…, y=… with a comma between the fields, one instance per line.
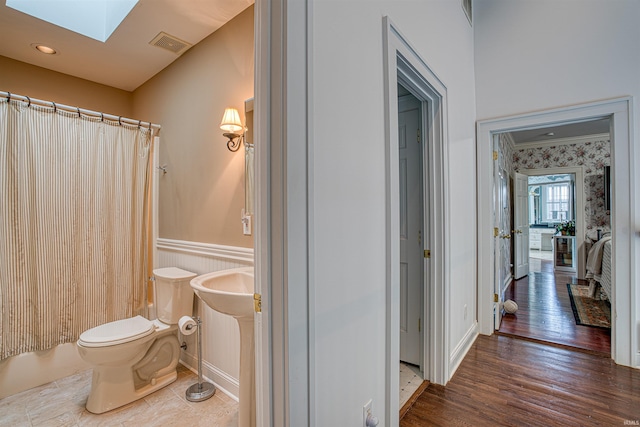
x=202, y=194
x=28, y=80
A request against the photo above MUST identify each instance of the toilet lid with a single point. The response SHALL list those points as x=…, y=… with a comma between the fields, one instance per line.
x=118, y=332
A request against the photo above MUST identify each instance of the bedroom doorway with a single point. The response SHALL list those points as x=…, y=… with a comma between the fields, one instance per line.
x=553, y=196
x=623, y=349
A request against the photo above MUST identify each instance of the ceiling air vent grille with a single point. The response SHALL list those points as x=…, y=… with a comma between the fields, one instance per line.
x=171, y=43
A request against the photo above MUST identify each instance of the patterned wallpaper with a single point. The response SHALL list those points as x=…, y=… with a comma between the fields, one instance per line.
x=592, y=156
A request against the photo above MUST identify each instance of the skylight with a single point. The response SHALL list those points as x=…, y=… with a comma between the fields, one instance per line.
x=97, y=19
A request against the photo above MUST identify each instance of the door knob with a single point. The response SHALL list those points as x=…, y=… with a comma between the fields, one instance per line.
x=506, y=236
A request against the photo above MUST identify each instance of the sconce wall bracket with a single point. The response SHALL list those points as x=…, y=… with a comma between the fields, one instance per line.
x=235, y=140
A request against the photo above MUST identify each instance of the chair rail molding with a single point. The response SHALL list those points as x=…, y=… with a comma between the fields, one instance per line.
x=210, y=250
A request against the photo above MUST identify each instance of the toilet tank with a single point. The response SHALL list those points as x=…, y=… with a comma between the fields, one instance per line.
x=174, y=296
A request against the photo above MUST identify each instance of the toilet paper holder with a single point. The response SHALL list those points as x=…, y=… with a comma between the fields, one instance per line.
x=201, y=390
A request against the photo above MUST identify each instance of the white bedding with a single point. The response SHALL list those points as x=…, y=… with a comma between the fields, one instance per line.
x=599, y=267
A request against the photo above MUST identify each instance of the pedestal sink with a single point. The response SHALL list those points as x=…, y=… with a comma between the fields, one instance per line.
x=231, y=292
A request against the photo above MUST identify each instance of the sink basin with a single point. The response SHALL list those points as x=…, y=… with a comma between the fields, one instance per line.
x=231, y=292
x=227, y=291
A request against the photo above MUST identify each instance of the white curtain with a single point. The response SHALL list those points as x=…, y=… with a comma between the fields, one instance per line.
x=72, y=224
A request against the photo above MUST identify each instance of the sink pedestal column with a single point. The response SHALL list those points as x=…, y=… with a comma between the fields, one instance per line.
x=247, y=391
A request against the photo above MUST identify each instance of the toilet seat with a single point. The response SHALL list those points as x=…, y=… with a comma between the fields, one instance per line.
x=117, y=332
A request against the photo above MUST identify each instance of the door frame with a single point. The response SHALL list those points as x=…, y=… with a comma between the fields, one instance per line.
x=624, y=348
x=403, y=63
x=282, y=251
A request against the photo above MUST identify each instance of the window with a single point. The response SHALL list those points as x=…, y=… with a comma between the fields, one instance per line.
x=557, y=203
x=551, y=199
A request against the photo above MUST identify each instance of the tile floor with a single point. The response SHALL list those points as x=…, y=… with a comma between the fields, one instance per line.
x=410, y=380
x=61, y=403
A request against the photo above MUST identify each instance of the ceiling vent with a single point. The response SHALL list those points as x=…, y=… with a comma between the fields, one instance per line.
x=170, y=43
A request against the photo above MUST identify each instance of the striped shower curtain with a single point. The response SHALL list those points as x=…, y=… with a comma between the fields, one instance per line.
x=72, y=224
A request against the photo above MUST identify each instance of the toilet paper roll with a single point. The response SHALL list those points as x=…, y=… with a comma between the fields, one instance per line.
x=187, y=325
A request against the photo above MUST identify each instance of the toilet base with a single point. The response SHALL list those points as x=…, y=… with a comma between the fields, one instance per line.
x=112, y=388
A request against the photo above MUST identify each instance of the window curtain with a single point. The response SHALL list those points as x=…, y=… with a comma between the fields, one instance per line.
x=73, y=246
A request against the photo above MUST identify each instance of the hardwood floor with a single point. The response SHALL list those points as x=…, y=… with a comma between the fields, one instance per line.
x=545, y=314
x=504, y=381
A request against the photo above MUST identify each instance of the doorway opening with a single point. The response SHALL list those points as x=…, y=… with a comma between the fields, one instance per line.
x=413, y=236
x=551, y=201
x=405, y=67
x=618, y=112
x=554, y=196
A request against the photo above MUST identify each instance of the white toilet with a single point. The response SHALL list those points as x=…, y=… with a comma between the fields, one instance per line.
x=135, y=357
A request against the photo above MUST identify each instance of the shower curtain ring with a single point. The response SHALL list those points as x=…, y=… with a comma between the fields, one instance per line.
x=79, y=115
x=55, y=107
x=102, y=117
x=29, y=104
x=120, y=120
x=9, y=97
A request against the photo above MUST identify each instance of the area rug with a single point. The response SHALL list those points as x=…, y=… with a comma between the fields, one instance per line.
x=586, y=310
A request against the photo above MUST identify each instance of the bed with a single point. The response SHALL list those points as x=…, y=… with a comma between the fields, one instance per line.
x=599, y=269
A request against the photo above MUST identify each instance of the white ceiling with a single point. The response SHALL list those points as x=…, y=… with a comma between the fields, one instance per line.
x=126, y=60
x=574, y=130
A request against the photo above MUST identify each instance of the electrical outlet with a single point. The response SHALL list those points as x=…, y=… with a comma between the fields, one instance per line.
x=366, y=412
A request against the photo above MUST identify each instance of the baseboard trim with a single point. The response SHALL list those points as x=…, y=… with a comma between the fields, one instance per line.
x=227, y=384
x=462, y=349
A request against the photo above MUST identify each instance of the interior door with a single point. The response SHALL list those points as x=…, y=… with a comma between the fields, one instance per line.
x=411, y=229
x=502, y=233
x=521, y=226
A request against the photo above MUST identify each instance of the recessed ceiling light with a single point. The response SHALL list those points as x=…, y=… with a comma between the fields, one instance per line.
x=44, y=49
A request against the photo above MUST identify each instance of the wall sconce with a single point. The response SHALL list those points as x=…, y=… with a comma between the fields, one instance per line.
x=231, y=125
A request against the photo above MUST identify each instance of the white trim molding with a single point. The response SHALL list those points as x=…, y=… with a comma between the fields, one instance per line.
x=229, y=253
x=625, y=160
x=403, y=64
x=223, y=381
x=461, y=350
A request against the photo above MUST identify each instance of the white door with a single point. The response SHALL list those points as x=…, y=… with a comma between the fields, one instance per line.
x=411, y=229
x=502, y=234
x=521, y=226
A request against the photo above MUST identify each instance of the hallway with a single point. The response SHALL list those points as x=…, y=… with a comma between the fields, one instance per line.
x=507, y=381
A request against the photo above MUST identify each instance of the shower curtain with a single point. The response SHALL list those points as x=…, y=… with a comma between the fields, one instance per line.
x=72, y=224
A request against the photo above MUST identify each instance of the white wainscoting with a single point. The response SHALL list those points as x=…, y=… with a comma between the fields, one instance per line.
x=220, y=334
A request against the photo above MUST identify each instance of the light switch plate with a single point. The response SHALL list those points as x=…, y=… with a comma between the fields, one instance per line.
x=246, y=225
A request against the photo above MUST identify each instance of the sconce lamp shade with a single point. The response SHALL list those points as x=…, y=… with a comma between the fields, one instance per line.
x=231, y=121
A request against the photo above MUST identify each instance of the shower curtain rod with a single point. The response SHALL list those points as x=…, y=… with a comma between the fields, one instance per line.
x=78, y=110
